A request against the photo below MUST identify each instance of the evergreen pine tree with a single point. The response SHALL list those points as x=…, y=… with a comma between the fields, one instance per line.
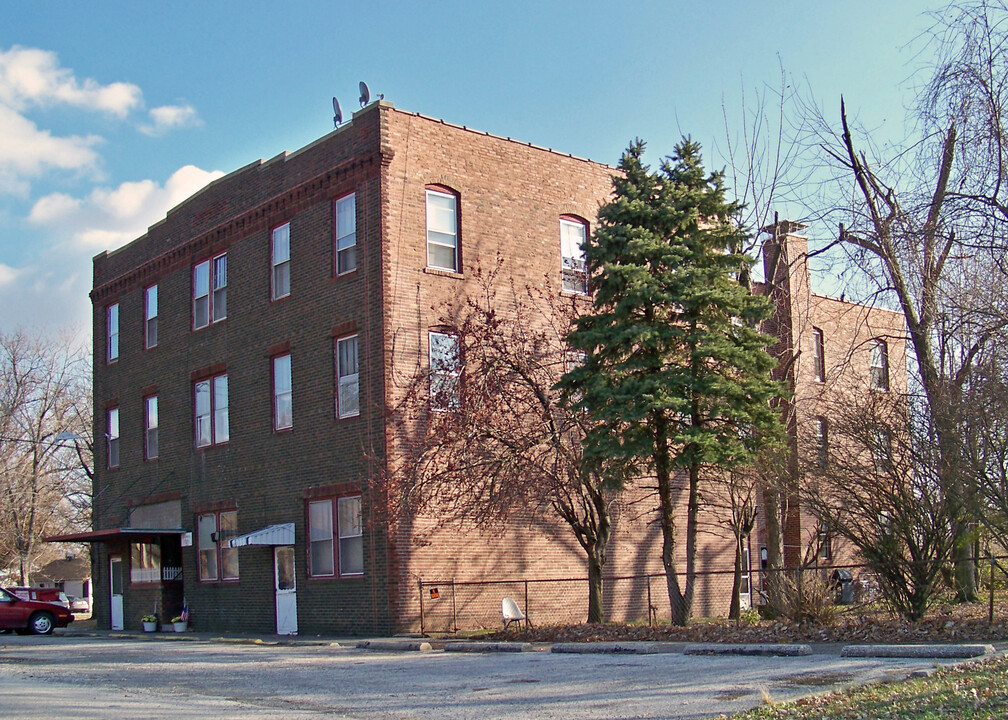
x=675, y=372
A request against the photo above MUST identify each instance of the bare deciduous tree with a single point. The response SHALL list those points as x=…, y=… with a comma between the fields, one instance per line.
x=882, y=491
x=494, y=445
x=45, y=453
x=923, y=224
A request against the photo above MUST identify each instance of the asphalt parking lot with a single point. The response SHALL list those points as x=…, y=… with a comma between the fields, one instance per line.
x=104, y=676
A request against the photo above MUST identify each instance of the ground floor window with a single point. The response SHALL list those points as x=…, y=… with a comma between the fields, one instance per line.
x=145, y=562
x=217, y=561
x=336, y=539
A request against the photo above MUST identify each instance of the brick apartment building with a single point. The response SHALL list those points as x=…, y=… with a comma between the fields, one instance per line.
x=244, y=352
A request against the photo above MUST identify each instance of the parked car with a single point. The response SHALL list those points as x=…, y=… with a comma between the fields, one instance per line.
x=31, y=616
x=79, y=604
x=42, y=594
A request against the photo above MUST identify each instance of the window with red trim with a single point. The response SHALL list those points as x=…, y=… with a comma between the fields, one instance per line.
x=209, y=284
x=217, y=561
x=336, y=538
x=210, y=404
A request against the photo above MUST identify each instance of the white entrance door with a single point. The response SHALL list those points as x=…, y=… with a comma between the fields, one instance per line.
x=286, y=590
x=116, y=590
x=745, y=587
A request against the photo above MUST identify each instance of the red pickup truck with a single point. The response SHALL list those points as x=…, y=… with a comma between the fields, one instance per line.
x=31, y=616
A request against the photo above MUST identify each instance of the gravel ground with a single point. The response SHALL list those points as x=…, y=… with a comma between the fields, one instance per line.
x=106, y=677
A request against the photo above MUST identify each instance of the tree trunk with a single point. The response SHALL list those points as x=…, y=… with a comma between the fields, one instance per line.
x=735, y=610
x=667, y=512
x=596, y=561
x=686, y=606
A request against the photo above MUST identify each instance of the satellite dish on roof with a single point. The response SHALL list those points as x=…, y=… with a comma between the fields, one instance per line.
x=365, y=94
x=337, y=113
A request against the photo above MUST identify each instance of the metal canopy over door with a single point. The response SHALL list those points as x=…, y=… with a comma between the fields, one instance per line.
x=116, y=593
x=286, y=590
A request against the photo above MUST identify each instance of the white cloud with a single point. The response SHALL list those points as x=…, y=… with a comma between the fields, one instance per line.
x=7, y=274
x=169, y=117
x=29, y=76
x=26, y=151
x=51, y=289
x=110, y=217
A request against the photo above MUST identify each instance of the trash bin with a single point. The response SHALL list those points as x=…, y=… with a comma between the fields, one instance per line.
x=844, y=581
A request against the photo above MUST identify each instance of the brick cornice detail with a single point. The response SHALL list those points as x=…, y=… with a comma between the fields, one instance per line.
x=261, y=217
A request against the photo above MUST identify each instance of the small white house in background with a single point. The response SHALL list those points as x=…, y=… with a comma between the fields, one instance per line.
x=72, y=575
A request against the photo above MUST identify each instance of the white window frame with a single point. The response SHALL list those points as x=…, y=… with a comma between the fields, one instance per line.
x=818, y=355
x=573, y=270
x=112, y=332
x=112, y=437
x=444, y=371
x=283, y=392
x=215, y=413
x=822, y=442
x=347, y=377
x=438, y=235
x=209, y=284
x=150, y=316
x=280, y=264
x=879, y=364
x=150, y=427
x=345, y=224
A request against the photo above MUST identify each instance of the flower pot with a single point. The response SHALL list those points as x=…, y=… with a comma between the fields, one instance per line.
x=149, y=626
x=180, y=626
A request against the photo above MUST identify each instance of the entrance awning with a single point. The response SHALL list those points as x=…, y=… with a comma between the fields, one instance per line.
x=282, y=534
x=113, y=534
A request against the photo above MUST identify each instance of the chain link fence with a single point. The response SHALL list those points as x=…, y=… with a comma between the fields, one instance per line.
x=454, y=605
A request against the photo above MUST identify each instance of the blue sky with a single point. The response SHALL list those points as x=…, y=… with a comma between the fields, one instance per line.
x=113, y=112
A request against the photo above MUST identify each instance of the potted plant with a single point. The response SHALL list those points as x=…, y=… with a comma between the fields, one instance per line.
x=180, y=623
x=149, y=623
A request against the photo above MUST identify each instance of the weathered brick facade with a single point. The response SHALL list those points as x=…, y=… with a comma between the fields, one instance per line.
x=510, y=196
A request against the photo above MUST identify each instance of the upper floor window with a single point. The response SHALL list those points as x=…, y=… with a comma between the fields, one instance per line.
x=216, y=559
x=211, y=410
x=283, y=408
x=442, y=230
x=150, y=316
x=112, y=332
x=445, y=367
x=210, y=291
x=348, y=374
x=346, y=234
x=882, y=449
x=573, y=272
x=150, y=427
x=112, y=437
x=344, y=548
x=879, y=352
x=818, y=355
x=822, y=442
x=280, y=261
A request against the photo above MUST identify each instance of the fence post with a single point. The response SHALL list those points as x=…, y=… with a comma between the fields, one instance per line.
x=454, y=618
x=420, y=586
x=526, y=604
x=990, y=603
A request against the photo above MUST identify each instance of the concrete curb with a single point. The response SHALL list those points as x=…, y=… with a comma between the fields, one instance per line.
x=962, y=651
x=766, y=649
x=396, y=645
x=615, y=648
x=486, y=647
